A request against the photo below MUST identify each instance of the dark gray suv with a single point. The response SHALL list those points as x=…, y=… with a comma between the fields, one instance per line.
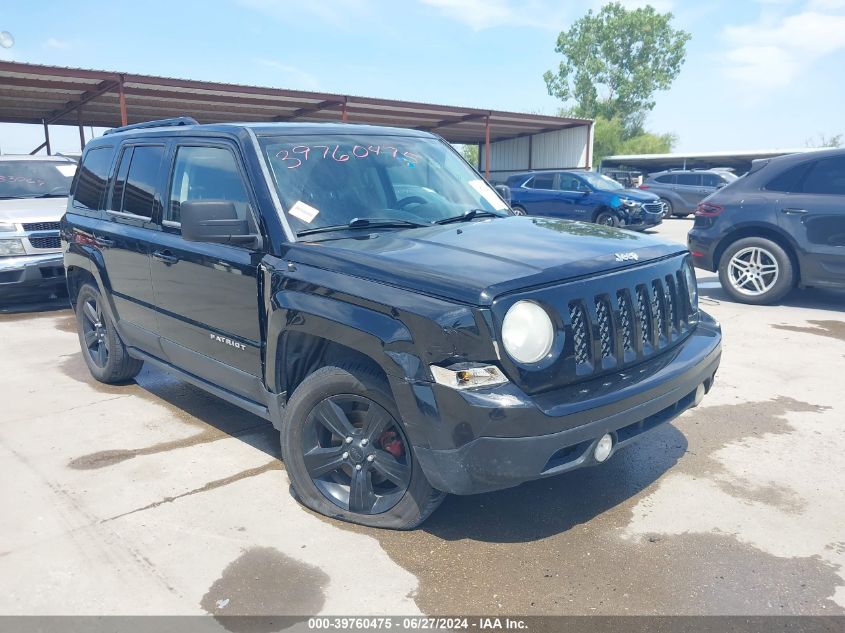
x=681, y=190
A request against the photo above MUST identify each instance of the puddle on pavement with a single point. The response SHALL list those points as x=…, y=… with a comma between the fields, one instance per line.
x=554, y=546
x=264, y=581
x=830, y=329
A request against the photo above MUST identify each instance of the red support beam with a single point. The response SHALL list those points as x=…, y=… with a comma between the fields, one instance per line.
x=487, y=148
x=81, y=129
x=317, y=107
x=46, y=136
x=38, y=149
x=84, y=98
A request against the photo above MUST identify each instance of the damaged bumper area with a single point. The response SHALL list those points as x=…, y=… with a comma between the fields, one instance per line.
x=472, y=441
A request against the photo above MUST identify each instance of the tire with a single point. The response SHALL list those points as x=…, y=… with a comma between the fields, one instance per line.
x=518, y=210
x=769, y=274
x=606, y=218
x=103, y=351
x=336, y=401
x=668, y=209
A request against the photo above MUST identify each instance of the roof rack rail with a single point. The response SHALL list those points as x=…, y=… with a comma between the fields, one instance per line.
x=175, y=122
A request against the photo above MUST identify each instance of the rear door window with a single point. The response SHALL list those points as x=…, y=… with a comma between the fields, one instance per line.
x=543, y=181
x=137, y=178
x=711, y=180
x=691, y=180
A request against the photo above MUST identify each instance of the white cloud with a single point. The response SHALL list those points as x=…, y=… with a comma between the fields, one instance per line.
x=773, y=52
x=485, y=14
x=298, y=77
x=53, y=42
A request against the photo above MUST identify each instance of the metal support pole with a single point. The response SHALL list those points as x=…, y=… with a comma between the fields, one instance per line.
x=81, y=129
x=530, y=149
x=46, y=136
x=478, y=156
x=589, y=146
x=487, y=148
x=123, y=118
x=343, y=115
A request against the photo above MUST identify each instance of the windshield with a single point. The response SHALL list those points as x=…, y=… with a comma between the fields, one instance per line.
x=600, y=181
x=35, y=179
x=331, y=180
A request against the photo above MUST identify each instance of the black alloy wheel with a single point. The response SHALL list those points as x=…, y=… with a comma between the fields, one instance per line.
x=356, y=454
x=94, y=333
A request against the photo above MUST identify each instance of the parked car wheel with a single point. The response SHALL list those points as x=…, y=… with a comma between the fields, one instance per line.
x=518, y=210
x=606, y=218
x=756, y=270
x=103, y=351
x=347, y=454
x=668, y=210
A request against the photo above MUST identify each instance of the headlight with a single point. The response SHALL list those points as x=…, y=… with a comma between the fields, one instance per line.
x=692, y=286
x=630, y=203
x=527, y=332
x=7, y=227
x=11, y=247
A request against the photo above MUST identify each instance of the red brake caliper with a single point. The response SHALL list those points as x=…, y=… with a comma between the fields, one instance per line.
x=390, y=442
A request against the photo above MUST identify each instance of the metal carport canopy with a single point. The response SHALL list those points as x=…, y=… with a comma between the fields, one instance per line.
x=31, y=93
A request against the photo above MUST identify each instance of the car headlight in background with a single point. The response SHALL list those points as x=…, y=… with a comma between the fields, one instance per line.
x=11, y=247
x=7, y=227
x=692, y=285
x=527, y=332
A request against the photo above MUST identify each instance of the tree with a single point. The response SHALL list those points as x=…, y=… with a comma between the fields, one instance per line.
x=615, y=60
x=824, y=141
x=470, y=154
x=610, y=137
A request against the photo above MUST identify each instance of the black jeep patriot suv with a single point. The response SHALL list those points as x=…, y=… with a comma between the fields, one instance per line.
x=367, y=292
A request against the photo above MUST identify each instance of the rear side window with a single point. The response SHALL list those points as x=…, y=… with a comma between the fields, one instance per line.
x=790, y=181
x=206, y=173
x=667, y=179
x=91, y=182
x=826, y=176
x=543, y=181
x=689, y=179
x=137, y=184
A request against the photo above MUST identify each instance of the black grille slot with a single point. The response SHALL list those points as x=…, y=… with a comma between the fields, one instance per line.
x=683, y=299
x=671, y=303
x=605, y=324
x=626, y=320
x=644, y=316
x=657, y=307
x=41, y=226
x=580, y=336
x=45, y=242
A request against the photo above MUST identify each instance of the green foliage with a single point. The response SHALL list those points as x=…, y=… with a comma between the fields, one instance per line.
x=610, y=137
x=615, y=60
x=470, y=154
x=824, y=141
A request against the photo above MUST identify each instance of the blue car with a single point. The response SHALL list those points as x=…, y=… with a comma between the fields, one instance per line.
x=585, y=196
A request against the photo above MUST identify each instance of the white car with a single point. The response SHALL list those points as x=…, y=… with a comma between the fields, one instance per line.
x=33, y=198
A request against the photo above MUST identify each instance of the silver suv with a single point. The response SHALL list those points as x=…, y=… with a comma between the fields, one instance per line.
x=681, y=189
x=33, y=197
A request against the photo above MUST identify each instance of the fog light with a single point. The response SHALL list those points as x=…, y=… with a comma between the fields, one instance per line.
x=699, y=395
x=603, y=448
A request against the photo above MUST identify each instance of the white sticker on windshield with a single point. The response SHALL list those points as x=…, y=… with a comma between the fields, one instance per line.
x=304, y=212
x=67, y=170
x=488, y=194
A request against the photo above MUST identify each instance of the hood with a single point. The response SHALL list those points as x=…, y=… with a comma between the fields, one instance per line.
x=477, y=261
x=19, y=210
x=637, y=195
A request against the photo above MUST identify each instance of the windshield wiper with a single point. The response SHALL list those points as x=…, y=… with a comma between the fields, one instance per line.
x=469, y=215
x=364, y=223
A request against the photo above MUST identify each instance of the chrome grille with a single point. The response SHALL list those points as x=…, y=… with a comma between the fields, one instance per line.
x=41, y=226
x=580, y=337
x=626, y=320
x=45, y=242
x=605, y=324
x=653, y=207
x=671, y=302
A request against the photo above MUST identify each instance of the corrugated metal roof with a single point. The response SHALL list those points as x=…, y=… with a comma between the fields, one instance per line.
x=30, y=93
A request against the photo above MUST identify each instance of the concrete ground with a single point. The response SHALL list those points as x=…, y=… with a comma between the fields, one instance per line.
x=155, y=498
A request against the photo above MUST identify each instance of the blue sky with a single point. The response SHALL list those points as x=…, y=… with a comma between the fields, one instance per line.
x=759, y=73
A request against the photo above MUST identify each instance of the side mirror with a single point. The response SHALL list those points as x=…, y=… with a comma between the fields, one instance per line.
x=215, y=221
x=505, y=192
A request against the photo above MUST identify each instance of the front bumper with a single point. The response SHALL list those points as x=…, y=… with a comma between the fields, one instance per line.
x=480, y=441
x=26, y=273
x=643, y=220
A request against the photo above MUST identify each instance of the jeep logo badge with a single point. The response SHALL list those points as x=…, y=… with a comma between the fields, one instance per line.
x=626, y=257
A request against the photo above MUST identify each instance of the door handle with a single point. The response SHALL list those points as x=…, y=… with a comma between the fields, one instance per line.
x=103, y=242
x=794, y=211
x=165, y=257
